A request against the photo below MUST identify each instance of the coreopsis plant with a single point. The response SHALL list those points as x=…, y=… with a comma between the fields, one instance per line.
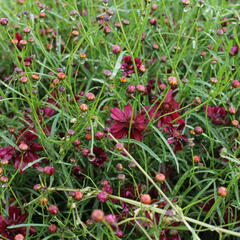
x=119, y=120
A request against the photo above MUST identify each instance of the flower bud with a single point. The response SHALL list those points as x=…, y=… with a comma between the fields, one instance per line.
x=84, y=107
x=53, y=209
x=23, y=79
x=88, y=136
x=61, y=75
x=146, y=199
x=37, y=187
x=99, y=135
x=78, y=195
x=42, y=15
x=154, y=7
x=119, y=167
x=85, y=152
x=121, y=176
x=196, y=159
x=27, y=30
x=52, y=228
x=172, y=80
x=160, y=177
x=186, y=2
x=35, y=76
x=3, y=179
x=19, y=237
x=49, y=170
x=23, y=42
x=119, y=146
x=82, y=55
x=102, y=197
x=198, y=130
x=90, y=96
x=119, y=233
x=71, y=132
x=232, y=110
x=222, y=191
x=23, y=146
x=141, y=88
x=97, y=215
x=75, y=33
x=123, y=79
x=111, y=219
x=213, y=80
x=235, y=83
x=116, y=49
x=235, y=123
x=76, y=142
x=153, y=21
x=3, y=21
x=43, y=201
x=131, y=89
x=234, y=50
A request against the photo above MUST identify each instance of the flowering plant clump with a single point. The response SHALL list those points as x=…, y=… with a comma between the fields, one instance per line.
x=119, y=120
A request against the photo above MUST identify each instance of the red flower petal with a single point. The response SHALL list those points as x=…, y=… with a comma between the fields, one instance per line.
x=118, y=114
x=128, y=112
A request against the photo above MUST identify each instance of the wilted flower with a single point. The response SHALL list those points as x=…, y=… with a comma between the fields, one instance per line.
x=175, y=136
x=18, y=38
x=217, y=114
x=78, y=171
x=128, y=66
x=98, y=157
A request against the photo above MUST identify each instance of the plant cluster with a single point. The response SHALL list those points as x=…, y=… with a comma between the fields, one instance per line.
x=119, y=119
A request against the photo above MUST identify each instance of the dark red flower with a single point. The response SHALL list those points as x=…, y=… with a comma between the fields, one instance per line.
x=175, y=136
x=107, y=188
x=131, y=192
x=6, y=153
x=14, y=217
x=126, y=121
x=165, y=111
x=27, y=137
x=48, y=111
x=217, y=114
x=28, y=60
x=98, y=157
x=78, y=171
x=128, y=66
x=18, y=38
x=231, y=213
x=28, y=148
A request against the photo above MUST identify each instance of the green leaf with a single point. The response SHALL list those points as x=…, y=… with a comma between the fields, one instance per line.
x=145, y=147
x=168, y=146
